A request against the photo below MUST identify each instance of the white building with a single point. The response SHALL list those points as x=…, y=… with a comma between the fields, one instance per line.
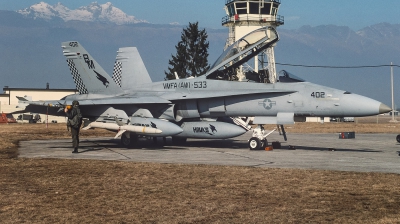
x=9, y=101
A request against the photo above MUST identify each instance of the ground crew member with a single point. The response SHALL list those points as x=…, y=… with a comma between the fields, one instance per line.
x=74, y=122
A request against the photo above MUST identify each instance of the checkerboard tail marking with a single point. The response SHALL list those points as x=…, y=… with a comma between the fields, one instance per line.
x=117, y=75
x=77, y=78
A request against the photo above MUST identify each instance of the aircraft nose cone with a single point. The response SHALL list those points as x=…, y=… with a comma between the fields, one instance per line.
x=384, y=109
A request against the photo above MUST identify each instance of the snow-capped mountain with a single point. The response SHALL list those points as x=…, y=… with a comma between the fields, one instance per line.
x=92, y=13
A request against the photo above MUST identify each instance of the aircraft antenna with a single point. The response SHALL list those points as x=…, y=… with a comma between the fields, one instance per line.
x=245, y=16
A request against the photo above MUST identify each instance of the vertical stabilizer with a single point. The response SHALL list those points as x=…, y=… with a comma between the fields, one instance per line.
x=129, y=69
x=88, y=75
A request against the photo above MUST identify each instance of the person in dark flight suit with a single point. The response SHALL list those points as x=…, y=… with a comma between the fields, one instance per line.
x=74, y=122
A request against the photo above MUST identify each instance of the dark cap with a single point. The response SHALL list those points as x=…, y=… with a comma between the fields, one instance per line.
x=75, y=102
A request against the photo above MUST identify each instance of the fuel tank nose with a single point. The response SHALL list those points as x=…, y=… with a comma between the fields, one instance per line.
x=384, y=109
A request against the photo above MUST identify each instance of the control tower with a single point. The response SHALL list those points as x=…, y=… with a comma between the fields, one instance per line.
x=245, y=16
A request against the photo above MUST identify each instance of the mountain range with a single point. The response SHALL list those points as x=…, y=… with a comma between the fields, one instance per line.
x=31, y=54
x=92, y=13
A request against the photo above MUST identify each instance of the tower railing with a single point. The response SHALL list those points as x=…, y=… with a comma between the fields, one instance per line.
x=280, y=20
x=277, y=1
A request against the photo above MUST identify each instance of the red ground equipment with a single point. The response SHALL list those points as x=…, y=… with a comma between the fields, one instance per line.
x=7, y=118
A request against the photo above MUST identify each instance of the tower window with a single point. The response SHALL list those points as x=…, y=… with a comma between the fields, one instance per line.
x=275, y=9
x=231, y=9
x=241, y=8
x=267, y=9
x=254, y=8
x=241, y=5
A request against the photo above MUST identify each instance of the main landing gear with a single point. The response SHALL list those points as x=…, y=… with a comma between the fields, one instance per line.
x=259, y=139
x=128, y=139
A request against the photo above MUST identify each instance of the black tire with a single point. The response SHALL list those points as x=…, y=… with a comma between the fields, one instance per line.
x=129, y=142
x=178, y=140
x=398, y=138
x=160, y=141
x=254, y=143
x=125, y=141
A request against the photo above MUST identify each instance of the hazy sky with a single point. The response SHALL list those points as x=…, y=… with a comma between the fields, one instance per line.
x=353, y=13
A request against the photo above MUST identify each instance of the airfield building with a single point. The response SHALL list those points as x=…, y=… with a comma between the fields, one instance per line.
x=9, y=101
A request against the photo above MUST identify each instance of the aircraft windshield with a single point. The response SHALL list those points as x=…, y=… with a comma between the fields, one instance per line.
x=285, y=76
x=241, y=45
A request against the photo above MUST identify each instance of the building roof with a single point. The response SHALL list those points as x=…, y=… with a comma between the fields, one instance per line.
x=39, y=89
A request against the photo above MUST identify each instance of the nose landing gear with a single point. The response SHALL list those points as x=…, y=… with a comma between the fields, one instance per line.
x=259, y=139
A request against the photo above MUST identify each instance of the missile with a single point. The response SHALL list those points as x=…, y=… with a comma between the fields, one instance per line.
x=168, y=128
x=130, y=128
x=141, y=126
x=210, y=130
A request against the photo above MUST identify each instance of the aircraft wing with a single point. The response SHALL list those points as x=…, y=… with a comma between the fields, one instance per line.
x=23, y=102
x=130, y=100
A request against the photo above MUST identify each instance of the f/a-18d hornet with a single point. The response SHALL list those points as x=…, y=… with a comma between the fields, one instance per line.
x=190, y=108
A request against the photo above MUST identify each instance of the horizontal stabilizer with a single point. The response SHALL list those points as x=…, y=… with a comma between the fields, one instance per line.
x=24, y=98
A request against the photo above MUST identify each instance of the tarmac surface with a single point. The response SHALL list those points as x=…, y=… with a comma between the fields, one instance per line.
x=365, y=153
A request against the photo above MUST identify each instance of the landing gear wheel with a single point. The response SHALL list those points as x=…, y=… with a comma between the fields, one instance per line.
x=178, y=141
x=398, y=138
x=254, y=143
x=129, y=142
x=125, y=141
x=160, y=141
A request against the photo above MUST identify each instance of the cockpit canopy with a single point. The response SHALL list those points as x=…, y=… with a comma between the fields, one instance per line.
x=242, y=45
x=243, y=50
x=285, y=76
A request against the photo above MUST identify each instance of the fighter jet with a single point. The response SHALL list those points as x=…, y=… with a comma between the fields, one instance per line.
x=210, y=96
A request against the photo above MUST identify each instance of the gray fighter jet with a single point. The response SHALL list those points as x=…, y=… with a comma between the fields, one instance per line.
x=180, y=108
